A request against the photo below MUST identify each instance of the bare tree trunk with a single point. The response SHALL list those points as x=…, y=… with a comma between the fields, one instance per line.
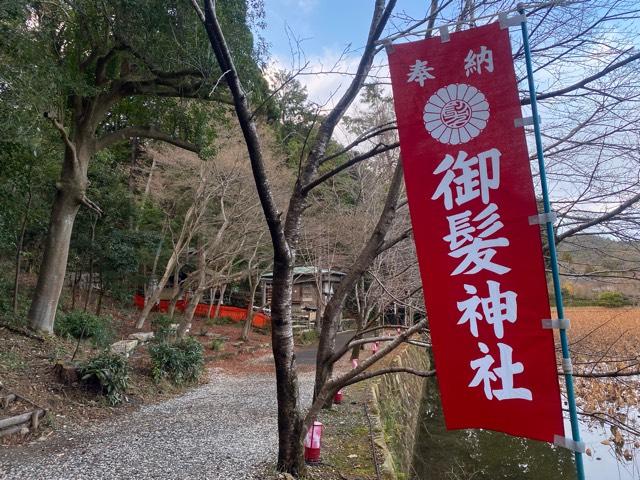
x=183, y=241
x=155, y=295
x=370, y=251
x=23, y=228
x=74, y=288
x=91, y=263
x=220, y=301
x=249, y=318
x=56, y=251
x=211, y=296
x=185, y=323
x=175, y=292
x=132, y=164
x=100, y=296
x=290, y=420
x=355, y=351
x=148, y=185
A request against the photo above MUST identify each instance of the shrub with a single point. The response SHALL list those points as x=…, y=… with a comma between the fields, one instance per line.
x=307, y=337
x=181, y=362
x=612, y=300
x=211, y=321
x=226, y=321
x=217, y=344
x=79, y=324
x=111, y=372
x=161, y=325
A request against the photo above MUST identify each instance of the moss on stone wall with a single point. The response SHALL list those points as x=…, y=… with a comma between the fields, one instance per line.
x=396, y=402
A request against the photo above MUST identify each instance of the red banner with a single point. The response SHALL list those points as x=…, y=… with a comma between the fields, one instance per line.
x=470, y=190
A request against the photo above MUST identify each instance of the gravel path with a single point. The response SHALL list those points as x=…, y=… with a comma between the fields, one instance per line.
x=222, y=430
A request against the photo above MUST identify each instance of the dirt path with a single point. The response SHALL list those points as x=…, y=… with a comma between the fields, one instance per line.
x=221, y=430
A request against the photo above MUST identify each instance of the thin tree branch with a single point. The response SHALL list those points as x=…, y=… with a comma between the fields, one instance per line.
x=385, y=371
x=146, y=132
x=380, y=148
x=67, y=140
x=602, y=218
x=394, y=241
x=583, y=82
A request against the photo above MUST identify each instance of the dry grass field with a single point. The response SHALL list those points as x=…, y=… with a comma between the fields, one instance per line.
x=606, y=341
x=601, y=335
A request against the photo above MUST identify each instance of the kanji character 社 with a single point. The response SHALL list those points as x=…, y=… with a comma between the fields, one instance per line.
x=476, y=251
x=497, y=308
x=473, y=62
x=419, y=72
x=474, y=178
x=505, y=372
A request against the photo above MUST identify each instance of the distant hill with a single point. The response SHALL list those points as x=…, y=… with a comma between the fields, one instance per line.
x=592, y=264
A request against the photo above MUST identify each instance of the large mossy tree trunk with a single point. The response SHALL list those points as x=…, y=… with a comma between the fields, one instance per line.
x=69, y=196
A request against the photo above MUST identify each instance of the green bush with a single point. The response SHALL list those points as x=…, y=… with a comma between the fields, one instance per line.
x=217, y=344
x=181, y=362
x=307, y=337
x=161, y=325
x=111, y=372
x=211, y=321
x=613, y=300
x=79, y=324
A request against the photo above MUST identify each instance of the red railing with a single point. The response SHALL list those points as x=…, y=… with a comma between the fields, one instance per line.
x=260, y=320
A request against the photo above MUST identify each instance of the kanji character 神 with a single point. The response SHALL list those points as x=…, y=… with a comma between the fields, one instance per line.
x=497, y=308
x=419, y=72
x=473, y=62
x=476, y=251
x=505, y=372
x=474, y=177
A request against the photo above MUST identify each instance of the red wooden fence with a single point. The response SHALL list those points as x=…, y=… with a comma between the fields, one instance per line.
x=260, y=320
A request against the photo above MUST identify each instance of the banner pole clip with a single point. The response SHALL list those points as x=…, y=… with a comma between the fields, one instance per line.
x=524, y=121
x=558, y=323
x=388, y=46
x=515, y=21
x=567, y=366
x=444, y=34
x=543, y=218
x=569, y=443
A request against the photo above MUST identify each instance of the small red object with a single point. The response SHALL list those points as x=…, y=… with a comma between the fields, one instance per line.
x=374, y=347
x=337, y=398
x=312, y=443
x=354, y=362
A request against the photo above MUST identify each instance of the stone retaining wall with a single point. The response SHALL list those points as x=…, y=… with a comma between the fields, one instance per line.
x=395, y=408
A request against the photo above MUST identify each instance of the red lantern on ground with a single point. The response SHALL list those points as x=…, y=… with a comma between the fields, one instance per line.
x=312, y=443
x=337, y=398
x=374, y=347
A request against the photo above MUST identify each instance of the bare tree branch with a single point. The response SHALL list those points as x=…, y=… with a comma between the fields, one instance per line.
x=602, y=218
x=380, y=148
x=584, y=81
x=385, y=371
x=146, y=132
